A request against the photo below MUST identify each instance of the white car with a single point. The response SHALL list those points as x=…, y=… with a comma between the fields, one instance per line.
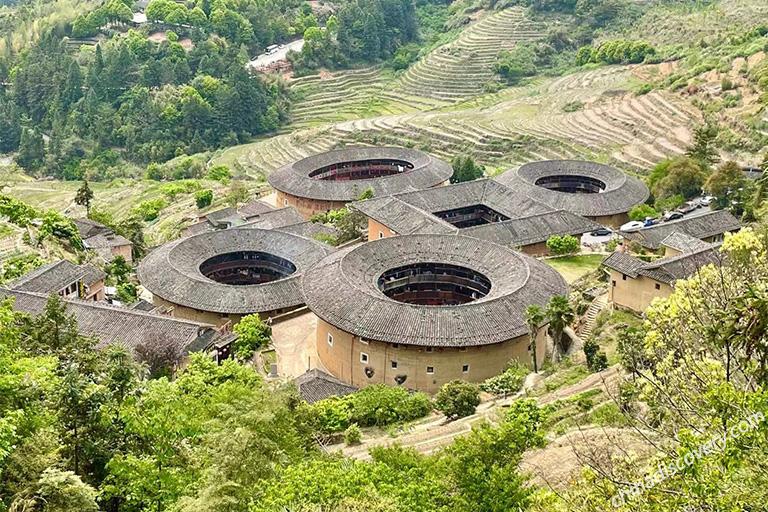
x=707, y=200
x=634, y=225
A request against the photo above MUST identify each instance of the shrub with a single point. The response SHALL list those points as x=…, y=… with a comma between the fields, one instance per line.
x=127, y=293
x=220, y=173
x=573, y=106
x=203, y=198
x=457, y=399
x=641, y=211
x=252, y=334
x=150, y=209
x=508, y=382
x=561, y=245
x=331, y=414
x=61, y=227
x=596, y=359
x=171, y=190
x=380, y=405
x=352, y=435
x=18, y=212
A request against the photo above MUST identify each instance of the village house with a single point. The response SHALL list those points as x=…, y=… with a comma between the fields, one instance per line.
x=65, y=279
x=710, y=227
x=103, y=241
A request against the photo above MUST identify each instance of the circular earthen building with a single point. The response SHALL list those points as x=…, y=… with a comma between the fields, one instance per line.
x=220, y=276
x=422, y=310
x=596, y=191
x=328, y=181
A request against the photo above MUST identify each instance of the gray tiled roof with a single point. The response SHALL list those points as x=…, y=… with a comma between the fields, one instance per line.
x=342, y=290
x=533, y=229
x=309, y=229
x=683, y=243
x=316, y=385
x=665, y=270
x=621, y=193
x=130, y=328
x=56, y=276
x=413, y=212
x=103, y=241
x=276, y=219
x=172, y=271
x=294, y=178
x=699, y=226
x=88, y=228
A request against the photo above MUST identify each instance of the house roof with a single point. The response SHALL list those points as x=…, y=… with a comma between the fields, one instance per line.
x=126, y=327
x=103, y=241
x=172, y=271
x=316, y=385
x=700, y=226
x=620, y=194
x=309, y=229
x=295, y=178
x=88, y=228
x=414, y=212
x=665, y=270
x=682, y=242
x=253, y=216
x=532, y=229
x=342, y=290
x=56, y=276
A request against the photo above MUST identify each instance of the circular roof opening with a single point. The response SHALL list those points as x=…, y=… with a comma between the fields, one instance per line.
x=572, y=184
x=434, y=284
x=244, y=268
x=361, y=169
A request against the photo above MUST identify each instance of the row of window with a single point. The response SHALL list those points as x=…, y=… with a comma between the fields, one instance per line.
x=624, y=278
x=430, y=369
x=394, y=345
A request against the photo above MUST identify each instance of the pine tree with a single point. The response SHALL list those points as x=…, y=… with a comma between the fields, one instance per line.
x=31, y=150
x=84, y=197
x=72, y=89
x=703, y=149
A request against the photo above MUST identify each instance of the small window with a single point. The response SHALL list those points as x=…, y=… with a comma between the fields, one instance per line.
x=658, y=286
x=465, y=368
x=285, y=202
x=430, y=370
x=381, y=234
x=613, y=283
x=363, y=342
x=395, y=345
x=623, y=277
x=428, y=349
x=463, y=349
x=330, y=339
x=363, y=357
x=394, y=365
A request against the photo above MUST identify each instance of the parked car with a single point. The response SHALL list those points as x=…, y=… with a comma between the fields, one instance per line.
x=634, y=225
x=707, y=200
x=601, y=232
x=672, y=216
x=688, y=207
x=650, y=221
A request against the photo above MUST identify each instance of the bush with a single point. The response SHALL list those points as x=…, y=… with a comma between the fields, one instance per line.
x=171, y=190
x=641, y=211
x=508, y=382
x=220, y=173
x=18, y=212
x=560, y=245
x=127, y=293
x=352, y=435
x=596, y=359
x=252, y=334
x=150, y=209
x=457, y=399
x=331, y=414
x=203, y=198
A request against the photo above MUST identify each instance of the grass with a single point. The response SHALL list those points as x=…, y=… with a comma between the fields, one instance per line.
x=564, y=374
x=574, y=267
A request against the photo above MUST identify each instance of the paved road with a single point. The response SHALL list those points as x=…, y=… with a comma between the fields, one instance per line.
x=265, y=59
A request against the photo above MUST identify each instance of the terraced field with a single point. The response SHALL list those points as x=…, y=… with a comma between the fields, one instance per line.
x=461, y=69
x=517, y=126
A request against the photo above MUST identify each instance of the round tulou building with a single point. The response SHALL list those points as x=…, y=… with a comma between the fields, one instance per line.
x=596, y=191
x=422, y=310
x=220, y=276
x=328, y=181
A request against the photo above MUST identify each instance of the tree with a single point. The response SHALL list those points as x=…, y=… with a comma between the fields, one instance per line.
x=560, y=315
x=118, y=269
x=703, y=149
x=203, y=198
x=534, y=318
x=252, y=334
x=465, y=169
x=725, y=183
x=596, y=359
x=457, y=399
x=561, y=245
x=641, y=212
x=60, y=491
x=683, y=176
x=84, y=197
x=31, y=154
x=238, y=193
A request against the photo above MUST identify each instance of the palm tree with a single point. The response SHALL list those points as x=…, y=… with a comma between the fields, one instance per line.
x=534, y=317
x=560, y=315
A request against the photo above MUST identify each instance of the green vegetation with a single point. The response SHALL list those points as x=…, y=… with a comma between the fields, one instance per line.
x=574, y=267
x=563, y=245
x=642, y=212
x=457, y=399
x=615, y=52
x=203, y=198
x=508, y=382
x=465, y=169
x=252, y=334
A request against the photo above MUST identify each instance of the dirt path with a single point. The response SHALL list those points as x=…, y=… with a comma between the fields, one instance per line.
x=433, y=432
